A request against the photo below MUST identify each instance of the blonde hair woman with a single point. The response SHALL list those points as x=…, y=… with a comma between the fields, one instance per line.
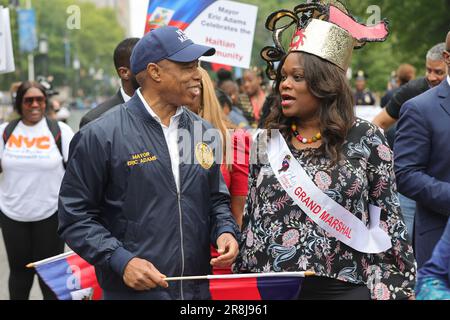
x=235, y=172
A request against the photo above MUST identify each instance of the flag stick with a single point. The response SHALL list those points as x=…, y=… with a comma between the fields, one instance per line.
x=244, y=275
x=51, y=259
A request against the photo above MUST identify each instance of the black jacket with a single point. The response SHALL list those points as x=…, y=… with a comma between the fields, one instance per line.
x=119, y=200
x=408, y=91
x=101, y=109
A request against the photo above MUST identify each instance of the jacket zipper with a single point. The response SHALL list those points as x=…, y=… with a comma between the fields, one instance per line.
x=182, y=245
x=181, y=218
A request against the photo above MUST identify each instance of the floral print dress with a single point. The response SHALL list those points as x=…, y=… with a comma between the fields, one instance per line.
x=278, y=236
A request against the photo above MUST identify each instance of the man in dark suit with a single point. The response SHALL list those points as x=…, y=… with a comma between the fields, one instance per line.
x=422, y=164
x=436, y=72
x=122, y=55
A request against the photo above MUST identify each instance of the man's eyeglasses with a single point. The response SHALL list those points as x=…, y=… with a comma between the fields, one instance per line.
x=29, y=100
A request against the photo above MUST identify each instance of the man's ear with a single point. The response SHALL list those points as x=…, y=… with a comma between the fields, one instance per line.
x=154, y=71
x=446, y=55
x=124, y=73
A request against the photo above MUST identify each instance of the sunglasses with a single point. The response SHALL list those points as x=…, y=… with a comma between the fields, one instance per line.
x=30, y=100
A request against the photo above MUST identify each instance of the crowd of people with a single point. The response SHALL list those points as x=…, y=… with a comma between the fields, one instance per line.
x=169, y=177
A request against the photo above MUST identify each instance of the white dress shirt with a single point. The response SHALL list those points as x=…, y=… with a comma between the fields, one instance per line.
x=124, y=95
x=448, y=80
x=171, y=136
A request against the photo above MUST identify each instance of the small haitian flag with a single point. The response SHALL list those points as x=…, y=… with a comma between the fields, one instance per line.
x=256, y=288
x=69, y=277
x=177, y=13
x=267, y=286
x=72, y=278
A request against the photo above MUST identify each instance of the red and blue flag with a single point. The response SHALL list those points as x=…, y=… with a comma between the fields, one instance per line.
x=253, y=288
x=177, y=13
x=72, y=278
x=69, y=277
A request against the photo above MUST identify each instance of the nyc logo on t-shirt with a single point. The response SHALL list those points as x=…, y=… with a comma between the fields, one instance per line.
x=42, y=143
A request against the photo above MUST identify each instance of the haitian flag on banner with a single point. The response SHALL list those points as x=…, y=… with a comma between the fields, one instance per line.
x=178, y=13
x=228, y=26
x=69, y=277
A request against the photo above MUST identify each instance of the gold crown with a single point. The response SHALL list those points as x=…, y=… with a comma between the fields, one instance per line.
x=324, y=30
x=325, y=40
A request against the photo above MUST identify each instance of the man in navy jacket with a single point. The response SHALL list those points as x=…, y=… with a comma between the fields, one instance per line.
x=143, y=196
x=422, y=164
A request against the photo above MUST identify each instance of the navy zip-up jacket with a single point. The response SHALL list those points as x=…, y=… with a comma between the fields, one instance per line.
x=119, y=200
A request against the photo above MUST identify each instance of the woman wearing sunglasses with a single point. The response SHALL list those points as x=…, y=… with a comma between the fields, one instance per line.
x=32, y=170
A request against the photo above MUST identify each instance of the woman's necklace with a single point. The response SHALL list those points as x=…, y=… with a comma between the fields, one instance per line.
x=297, y=135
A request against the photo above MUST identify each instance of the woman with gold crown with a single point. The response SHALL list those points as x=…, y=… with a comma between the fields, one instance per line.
x=322, y=194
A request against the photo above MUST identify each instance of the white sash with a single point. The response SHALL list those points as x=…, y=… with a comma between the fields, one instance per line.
x=324, y=211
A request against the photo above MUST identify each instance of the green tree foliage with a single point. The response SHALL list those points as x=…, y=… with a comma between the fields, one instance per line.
x=93, y=43
x=415, y=26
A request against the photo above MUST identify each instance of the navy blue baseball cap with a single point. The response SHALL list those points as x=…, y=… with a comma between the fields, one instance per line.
x=168, y=43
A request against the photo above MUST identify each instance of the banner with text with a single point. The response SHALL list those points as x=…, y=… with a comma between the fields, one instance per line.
x=225, y=25
x=6, y=48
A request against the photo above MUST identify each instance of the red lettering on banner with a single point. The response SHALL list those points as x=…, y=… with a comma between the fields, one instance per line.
x=314, y=207
x=298, y=191
x=324, y=215
x=336, y=224
x=220, y=43
x=330, y=220
x=311, y=205
x=317, y=209
x=302, y=196
x=306, y=201
x=347, y=232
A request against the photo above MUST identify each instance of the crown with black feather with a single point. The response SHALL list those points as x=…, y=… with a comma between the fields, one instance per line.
x=322, y=28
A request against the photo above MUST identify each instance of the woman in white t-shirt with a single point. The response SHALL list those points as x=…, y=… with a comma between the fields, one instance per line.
x=32, y=171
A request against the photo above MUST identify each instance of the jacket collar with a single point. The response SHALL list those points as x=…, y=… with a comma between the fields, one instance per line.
x=136, y=107
x=118, y=97
x=123, y=95
x=444, y=89
x=444, y=95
